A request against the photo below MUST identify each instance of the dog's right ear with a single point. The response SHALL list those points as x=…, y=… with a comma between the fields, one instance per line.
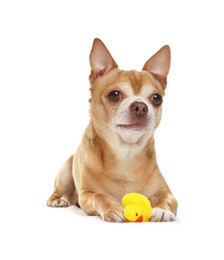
x=101, y=61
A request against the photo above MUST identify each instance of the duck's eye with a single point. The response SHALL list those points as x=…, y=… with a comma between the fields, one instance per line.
x=156, y=99
x=114, y=96
x=136, y=214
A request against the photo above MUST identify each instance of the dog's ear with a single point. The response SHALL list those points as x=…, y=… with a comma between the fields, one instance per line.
x=159, y=65
x=100, y=59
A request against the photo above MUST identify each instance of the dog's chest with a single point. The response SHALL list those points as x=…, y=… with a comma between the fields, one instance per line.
x=123, y=176
x=125, y=181
x=118, y=187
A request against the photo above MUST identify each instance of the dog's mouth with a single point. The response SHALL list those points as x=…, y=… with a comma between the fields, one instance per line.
x=133, y=127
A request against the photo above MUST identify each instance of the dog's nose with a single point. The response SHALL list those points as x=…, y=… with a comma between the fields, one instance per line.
x=139, y=108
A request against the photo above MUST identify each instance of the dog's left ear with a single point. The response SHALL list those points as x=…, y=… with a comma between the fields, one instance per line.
x=159, y=65
x=101, y=61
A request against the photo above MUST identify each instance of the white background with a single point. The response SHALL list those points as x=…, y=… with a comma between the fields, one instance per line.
x=44, y=91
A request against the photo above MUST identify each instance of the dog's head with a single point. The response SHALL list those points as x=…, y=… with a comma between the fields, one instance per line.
x=126, y=106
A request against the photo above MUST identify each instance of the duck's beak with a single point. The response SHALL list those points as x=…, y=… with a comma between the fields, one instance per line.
x=139, y=219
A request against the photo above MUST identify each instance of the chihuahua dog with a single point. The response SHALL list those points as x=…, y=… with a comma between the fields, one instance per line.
x=117, y=154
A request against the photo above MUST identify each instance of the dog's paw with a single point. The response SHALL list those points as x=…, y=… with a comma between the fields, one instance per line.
x=57, y=203
x=162, y=215
x=114, y=214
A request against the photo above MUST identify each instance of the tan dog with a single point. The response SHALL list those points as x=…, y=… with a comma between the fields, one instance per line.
x=117, y=153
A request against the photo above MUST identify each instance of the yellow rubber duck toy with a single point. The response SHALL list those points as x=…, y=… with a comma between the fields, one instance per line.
x=137, y=208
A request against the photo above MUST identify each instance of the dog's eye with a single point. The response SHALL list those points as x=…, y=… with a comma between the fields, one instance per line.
x=114, y=96
x=156, y=99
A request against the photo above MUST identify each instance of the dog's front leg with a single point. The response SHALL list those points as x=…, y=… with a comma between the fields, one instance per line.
x=100, y=205
x=164, y=208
